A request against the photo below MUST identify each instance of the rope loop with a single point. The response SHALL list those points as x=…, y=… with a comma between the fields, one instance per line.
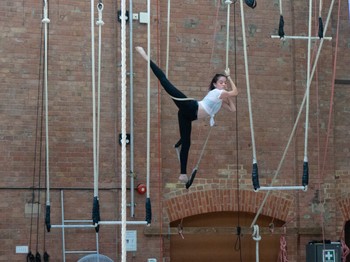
x=100, y=6
x=100, y=22
x=256, y=235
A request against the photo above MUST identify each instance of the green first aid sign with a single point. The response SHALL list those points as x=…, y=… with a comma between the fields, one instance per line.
x=328, y=255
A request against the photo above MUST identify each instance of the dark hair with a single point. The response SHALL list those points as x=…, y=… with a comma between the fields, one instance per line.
x=214, y=80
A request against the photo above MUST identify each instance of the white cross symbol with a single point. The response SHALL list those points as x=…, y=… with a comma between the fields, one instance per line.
x=329, y=255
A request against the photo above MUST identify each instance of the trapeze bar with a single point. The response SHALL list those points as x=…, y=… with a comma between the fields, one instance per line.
x=72, y=226
x=282, y=188
x=120, y=222
x=100, y=223
x=301, y=37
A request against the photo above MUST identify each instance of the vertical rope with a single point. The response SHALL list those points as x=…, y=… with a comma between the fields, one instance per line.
x=281, y=22
x=307, y=85
x=123, y=129
x=45, y=21
x=160, y=178
x=255, y=165
x=148, y=168
x=247, y=82
x=167, y=40
x=100, y=23
x=96, y=207
x=228, y=2
x=93, y=97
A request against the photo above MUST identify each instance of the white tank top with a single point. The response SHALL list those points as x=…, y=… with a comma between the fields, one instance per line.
x=212, y=103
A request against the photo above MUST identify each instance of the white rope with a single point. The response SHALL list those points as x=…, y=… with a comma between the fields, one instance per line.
x=100, y=23
x=93, y=98
x=280, y=4
x=148, y=95
x=167, y=40
x=247, y=82
x=308, y=84
x=298, y=116
x=256, y=236
x=228, y=2
x=46, y=21
x=123, y=129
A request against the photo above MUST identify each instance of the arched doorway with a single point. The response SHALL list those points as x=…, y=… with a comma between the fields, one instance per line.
x=208, y=241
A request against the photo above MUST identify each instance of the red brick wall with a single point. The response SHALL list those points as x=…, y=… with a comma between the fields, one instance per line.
x=277, y=75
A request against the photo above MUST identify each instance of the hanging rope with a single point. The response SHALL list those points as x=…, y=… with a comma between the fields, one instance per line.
x=123, y=128
x=281, y=23
x=238, y=243
x=30, y=255
x=320, y=23
x=95, y=204
x=282, y=257
x=46, y=21
x=256, y=236
x=255, y=175
x=148, y=204
x=331, y=102
x=305, y=177
x=96, y=129
x=100, y=23
x=194, y=171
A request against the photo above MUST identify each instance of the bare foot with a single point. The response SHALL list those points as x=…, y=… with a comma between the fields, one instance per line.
x=142, y=52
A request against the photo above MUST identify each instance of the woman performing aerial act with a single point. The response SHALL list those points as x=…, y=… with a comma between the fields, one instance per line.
x=190, y=109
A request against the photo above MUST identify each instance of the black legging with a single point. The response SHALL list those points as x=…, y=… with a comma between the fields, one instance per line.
x=187, y=113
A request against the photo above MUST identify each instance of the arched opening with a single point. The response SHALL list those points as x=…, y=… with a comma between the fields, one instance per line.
x=212, y=237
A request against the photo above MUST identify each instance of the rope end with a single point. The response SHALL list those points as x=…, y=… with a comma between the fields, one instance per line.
x=96, y=213
x=148, y=211
x=255, y=177
x=305, y=178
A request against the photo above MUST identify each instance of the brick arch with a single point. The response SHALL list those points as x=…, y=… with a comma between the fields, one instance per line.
x=217, y=200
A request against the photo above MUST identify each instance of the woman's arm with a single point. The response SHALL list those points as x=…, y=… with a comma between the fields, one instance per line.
x=228, y=104
x=233, y=91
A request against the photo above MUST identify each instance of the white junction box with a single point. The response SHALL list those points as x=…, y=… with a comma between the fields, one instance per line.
x=131, y=240
x=143, y=18
x=22, y=250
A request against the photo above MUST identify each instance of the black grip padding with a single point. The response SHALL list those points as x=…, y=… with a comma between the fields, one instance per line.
x=190, y=181
x=281, y=27
x=148, y=211
x=255, y=176
x=305, y=178
x=320, y=28
x=96, y=213
x=47, y=218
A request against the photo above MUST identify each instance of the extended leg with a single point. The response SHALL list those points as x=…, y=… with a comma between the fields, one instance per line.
x=164, y=81
x=185, y=126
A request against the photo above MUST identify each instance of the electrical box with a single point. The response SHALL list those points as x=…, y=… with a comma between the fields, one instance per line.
x=319, y=252
x=143, y=18
x=131, y=240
